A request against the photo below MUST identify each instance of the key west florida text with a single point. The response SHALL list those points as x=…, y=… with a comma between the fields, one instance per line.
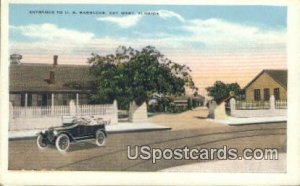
x=111, y=87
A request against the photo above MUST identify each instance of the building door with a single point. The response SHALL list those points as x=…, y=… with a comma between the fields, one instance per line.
x=44, y=99
x=266, y=94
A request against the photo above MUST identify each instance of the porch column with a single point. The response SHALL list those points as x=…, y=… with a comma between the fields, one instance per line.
x=77, y=99
x=52, y=99
x=52, y=103
x=26, y=100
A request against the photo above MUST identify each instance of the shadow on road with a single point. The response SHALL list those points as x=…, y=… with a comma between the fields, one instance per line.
x=200, y=117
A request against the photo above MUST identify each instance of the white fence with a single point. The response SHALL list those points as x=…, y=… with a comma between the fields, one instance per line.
x=37, y=112
x=252, y=105
x=48, y=111
x=28, y=118
x=245, y=109
x=106, y=109
x=281, y=104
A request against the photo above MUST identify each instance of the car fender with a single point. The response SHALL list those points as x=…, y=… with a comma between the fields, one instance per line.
x=68, y=134
x=103, y=130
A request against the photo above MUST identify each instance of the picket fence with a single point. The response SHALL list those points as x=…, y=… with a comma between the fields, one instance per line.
x=37, y=112
x=28, y=118
x=48, y=111
x=281, y=104
x=258, y=108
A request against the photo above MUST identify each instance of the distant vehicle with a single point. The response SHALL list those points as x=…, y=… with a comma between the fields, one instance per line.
x=77, y=130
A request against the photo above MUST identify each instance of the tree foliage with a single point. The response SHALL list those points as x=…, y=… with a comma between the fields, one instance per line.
x=220, y=90
x=130, y=75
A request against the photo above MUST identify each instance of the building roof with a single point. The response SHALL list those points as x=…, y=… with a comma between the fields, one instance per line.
x=34, y=78
x=280, y=76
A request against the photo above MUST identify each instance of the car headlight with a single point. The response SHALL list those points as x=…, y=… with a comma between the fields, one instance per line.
x=43, y=131
x=55, y=132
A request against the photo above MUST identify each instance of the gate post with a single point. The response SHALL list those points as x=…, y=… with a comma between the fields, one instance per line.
x=72, y=108
x=232, y=104
x=115, y=113
x=272, y=102
x=138, y=113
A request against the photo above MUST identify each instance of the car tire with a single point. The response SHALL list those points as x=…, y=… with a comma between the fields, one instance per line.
x=100, y=138
x=62, y=143
x=40, y=143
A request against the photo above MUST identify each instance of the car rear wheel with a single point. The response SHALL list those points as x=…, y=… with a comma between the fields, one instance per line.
x=41, y=142
x=62, y=143
x=100, y=138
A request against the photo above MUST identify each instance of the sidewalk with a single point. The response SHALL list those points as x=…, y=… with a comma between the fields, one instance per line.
x=118, y=128
x=245, y=121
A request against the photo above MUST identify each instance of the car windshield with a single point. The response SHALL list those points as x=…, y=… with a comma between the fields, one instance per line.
x=69, y=124
x=85, y=121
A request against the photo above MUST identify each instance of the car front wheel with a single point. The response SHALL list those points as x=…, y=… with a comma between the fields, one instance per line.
x=41, y=142
x=100, y=138
x=62, y=143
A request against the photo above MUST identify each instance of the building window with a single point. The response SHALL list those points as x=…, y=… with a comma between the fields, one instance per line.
x=65, y=102
x=29, y=100
x=276, y=94
x=22, y=99
x=266, y=94
x=257, y=94
x=71, y=96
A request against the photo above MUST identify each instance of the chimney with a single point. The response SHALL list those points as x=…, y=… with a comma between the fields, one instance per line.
x=55, y=57
x=52, y=77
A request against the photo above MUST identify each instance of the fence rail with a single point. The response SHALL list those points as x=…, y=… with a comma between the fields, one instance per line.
x=252, y=105
x=248, y=109
x=45, y=111
x=281, y=104
x=95, y=109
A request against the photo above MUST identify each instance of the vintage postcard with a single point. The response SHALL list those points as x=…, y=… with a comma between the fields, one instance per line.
x=144, y=91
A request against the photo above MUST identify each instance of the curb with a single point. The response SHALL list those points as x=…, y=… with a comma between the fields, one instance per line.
x=108, y=131
x=138, y=130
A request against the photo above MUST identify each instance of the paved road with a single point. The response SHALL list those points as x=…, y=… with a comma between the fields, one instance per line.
x=24, y=154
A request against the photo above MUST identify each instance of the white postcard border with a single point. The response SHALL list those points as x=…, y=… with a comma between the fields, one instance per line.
x=163, y=178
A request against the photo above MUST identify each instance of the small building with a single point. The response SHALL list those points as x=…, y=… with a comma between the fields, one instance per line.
x=47, y=84
x=183, y=101
x=265, y=84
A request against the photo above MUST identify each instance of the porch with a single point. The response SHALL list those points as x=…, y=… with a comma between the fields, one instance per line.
x=28, y=99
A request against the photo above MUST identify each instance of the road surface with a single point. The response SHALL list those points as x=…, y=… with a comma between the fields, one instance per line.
x=24, y=154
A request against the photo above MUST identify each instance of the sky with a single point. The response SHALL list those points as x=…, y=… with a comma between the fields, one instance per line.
x=227, y=43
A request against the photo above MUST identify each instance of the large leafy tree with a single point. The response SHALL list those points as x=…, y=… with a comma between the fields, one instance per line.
x=131, y=74
x=220, y=90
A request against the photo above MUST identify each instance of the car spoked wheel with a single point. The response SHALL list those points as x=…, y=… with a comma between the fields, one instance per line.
x=41, y=142
x=62, y=143
x=100, y=138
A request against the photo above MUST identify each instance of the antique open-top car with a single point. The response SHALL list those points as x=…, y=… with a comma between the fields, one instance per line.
x=78, y=129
